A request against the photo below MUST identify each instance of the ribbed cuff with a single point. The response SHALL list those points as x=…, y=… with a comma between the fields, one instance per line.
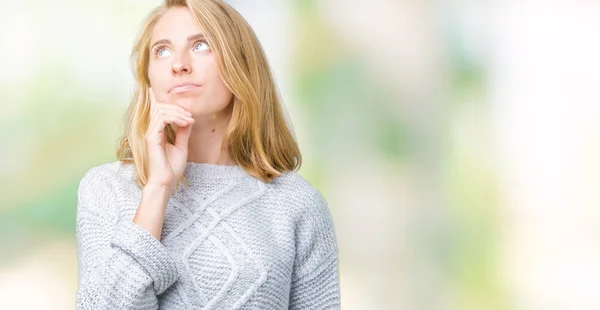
x=148, y=252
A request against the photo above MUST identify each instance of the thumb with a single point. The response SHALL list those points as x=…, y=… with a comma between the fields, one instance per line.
x=182, y=137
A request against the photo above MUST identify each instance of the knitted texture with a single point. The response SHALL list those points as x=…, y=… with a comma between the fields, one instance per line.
x=229, y=241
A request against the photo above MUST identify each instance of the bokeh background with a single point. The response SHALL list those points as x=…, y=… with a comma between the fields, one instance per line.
x=457, y=142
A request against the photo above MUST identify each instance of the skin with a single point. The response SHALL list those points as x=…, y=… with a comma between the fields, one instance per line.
x=200, y=114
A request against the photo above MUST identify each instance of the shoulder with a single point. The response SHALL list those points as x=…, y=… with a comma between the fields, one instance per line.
x=314, y=232
x=100, y=187
x=105, y=172
x=103, y=177
x=307, y=203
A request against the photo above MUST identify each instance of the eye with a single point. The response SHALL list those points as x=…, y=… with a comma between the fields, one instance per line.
x=162, y=52
x=201, y=46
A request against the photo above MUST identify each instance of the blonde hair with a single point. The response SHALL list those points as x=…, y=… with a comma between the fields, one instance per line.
x=258, y=137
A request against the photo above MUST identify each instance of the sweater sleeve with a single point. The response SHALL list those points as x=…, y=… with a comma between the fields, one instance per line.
x=315, y=278
x=121, y=265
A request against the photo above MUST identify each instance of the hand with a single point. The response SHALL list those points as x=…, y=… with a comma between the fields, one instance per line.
x=167, y=161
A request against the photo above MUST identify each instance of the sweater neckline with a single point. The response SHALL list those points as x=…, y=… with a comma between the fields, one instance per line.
x=201, y=171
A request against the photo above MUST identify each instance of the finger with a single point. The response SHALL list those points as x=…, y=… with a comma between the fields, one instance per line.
x=154, y=104
x=158, y=124
x=182, y=137
x=175, y=107
x=155, y=133
x=174, y=112
x=161, y=108
x=152, y=100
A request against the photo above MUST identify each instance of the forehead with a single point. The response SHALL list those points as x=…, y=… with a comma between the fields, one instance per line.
x=176, y=24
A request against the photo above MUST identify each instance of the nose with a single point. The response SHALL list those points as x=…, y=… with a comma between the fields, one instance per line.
x=181, y=64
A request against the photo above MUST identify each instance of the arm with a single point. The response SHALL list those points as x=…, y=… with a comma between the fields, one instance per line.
x=315, y=279
x=121, y=265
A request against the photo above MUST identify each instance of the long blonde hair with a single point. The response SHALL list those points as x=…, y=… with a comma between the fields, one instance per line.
x=259, y=138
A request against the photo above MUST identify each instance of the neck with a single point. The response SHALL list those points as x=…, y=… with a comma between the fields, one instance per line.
x=205, y=144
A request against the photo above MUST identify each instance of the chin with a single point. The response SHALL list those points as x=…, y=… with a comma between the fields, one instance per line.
x=186, y=102
x=194, y=106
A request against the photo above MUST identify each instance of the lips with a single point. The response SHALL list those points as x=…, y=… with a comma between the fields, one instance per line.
x=183, y=87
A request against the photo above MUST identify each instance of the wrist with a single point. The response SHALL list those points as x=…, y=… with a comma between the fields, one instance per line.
x=157, y=191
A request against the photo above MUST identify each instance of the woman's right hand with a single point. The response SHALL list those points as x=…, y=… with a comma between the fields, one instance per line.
x=167, y=161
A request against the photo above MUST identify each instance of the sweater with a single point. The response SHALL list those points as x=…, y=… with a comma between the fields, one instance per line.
x=229, y=241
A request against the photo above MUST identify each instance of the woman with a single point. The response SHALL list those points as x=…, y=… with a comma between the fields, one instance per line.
x=203, y=208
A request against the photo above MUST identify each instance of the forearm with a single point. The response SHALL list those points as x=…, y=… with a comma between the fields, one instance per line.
x=151, y=212
x=118, y=283
x=319, y=288
x=121, y=265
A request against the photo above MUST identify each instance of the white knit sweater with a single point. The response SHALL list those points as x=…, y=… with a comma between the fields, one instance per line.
x=229, y=241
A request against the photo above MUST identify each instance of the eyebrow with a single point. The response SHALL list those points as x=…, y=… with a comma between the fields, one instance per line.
x=193, y=37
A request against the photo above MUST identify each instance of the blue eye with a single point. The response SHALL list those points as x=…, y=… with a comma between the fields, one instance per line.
x=159, y=52
x=201, y=46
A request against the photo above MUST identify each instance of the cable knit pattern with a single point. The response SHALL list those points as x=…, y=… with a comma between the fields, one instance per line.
x=229, y=241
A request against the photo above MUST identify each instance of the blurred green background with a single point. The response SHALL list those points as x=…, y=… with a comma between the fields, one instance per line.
x=455, y=141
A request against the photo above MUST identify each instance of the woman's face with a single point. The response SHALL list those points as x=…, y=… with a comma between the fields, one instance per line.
x=182, y=68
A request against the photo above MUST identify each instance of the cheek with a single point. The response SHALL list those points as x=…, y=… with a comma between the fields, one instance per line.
x=218, y=86
x=211, y=71
x=223, y=93
x=154, y=74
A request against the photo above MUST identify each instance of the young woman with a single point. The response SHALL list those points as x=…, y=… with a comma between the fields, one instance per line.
x=203, y=208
